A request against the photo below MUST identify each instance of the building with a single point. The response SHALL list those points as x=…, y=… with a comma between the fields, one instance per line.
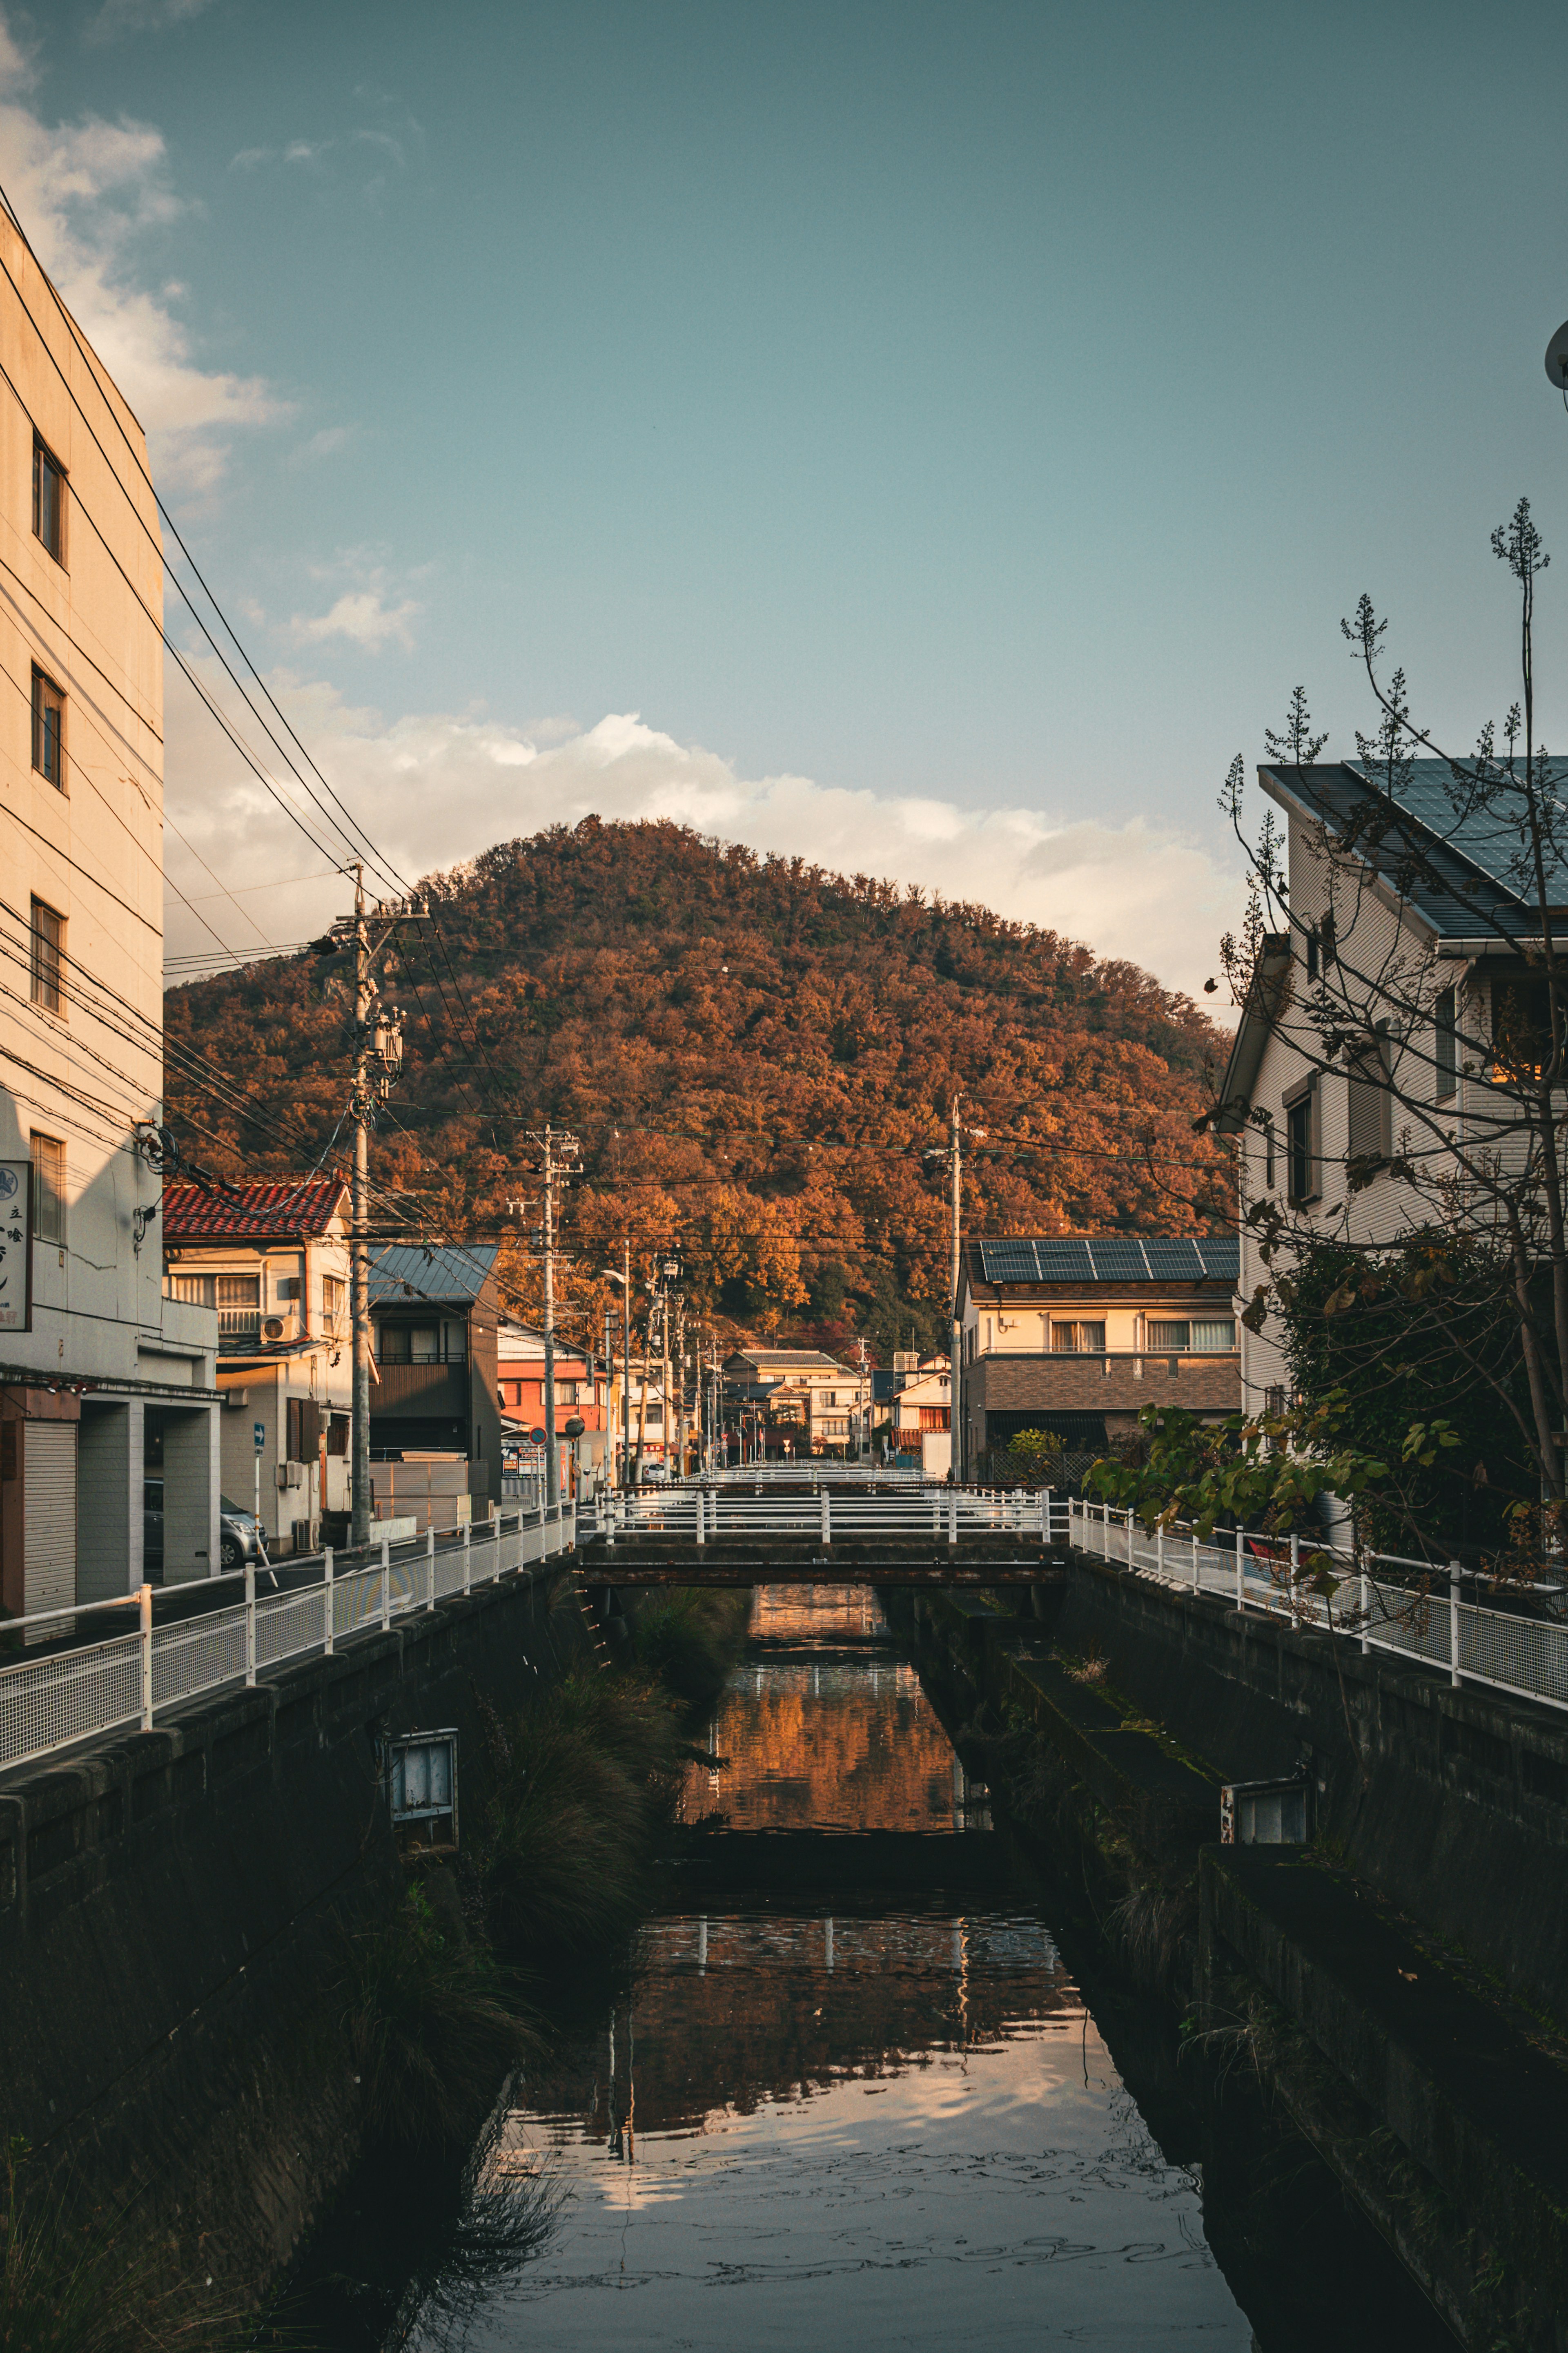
x=920, y=1404
x=102, y=1379
x=272, y=1260
x=1414, y=935
x=811, y=1403
x=436, y=1315
x=1078, y=1333
x=580, y=1394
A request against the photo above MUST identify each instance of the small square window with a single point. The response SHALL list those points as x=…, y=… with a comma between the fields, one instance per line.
x=49, y=501
x=47, y=960
x=48, y=1157
x=48, y=730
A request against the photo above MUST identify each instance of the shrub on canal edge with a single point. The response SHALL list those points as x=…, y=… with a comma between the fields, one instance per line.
x=431, y=2020
x=93, y=2287
x=690, y=1640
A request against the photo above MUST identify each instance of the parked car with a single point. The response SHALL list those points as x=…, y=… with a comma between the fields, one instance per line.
x=239, y=1534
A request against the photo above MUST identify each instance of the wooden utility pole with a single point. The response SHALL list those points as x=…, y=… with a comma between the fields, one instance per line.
x=955, y=1375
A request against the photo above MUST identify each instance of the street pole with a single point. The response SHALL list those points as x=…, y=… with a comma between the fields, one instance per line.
x=364, y=994
x=626, y=1361
x=552, y=1467
x=955, y=1385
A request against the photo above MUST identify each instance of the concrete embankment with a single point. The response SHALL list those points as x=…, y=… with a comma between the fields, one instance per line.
x=173, y=1911
x=1401, y=1980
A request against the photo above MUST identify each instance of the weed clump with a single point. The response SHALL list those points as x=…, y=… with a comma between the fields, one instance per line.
x=689, y=1643
x=432, y=2021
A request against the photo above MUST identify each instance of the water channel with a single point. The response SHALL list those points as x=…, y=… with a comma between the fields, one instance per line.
x=862, y=2086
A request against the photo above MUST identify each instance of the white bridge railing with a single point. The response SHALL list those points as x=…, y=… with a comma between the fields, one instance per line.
x=706, y=1514
x=1396, y=1612
x=51, y=1701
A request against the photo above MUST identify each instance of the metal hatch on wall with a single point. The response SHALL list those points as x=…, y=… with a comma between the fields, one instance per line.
x=422, y=1785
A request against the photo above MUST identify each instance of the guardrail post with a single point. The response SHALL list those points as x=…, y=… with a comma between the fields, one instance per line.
x=1454, y=1623
x=385, y=1585
x=330, y=1627
x=1197, y=1573
x=825, y=1515
x=430, y=1568
x=953, y=1521
x=1159, y=1549
x=249, y=1623
x=1366, y=1608
x=1295, y=1568
x=1045, y=1515
x=468, y=1555
x=1240, y=1573
x=1131, y=1563
x=144, y=1617
x=702, y=1517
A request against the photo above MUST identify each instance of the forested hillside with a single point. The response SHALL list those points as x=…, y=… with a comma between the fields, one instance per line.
x=757, y=1057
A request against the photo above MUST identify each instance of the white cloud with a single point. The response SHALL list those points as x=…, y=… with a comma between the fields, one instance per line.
x=121, y=17
x=360, y=616
x=435, y=788
x=85, y=191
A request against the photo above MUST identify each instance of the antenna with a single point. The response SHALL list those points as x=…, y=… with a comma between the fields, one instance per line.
x=1557, y=361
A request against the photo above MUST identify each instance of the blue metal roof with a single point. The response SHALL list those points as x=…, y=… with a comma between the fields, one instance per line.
x=446, y=1273
x=1113, y=1258
x=1455, y=854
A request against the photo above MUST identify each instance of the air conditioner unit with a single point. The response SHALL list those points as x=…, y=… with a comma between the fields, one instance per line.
x=290, y=1474
x=276, y=1327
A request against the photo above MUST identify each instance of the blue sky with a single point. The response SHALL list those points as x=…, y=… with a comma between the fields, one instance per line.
x=929, y=438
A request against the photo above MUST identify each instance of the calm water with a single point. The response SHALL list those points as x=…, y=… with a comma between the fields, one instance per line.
x=855, y=2096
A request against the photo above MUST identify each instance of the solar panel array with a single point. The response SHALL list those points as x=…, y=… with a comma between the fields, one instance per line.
x=1113, y=1258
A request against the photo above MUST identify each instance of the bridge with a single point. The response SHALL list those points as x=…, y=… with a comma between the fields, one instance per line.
x=812, y=1525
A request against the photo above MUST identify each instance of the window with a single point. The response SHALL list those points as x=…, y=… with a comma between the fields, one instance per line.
x=425, y=1344
x=1167, y=1338
x=1302, y=1144
x=1216, y=1331
x=1521, y=1027
x=48, y=730
x=334, y=1298
x=1268, y=1140
x=339, y=1430
x=48, y=1157
x=49, y=501
x=566, y=1392
x=1274, y=1400
x=1446, y=1044
x=1312, y=955
x=1369, y=1099
x=197, y=1290
x=238, y=1307
x=1077, y=1339
x=49, y=949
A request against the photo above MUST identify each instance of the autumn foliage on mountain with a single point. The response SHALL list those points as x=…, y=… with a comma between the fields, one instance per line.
x=758, y=1058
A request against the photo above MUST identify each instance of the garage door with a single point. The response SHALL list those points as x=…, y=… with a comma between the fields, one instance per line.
x=48, y=1516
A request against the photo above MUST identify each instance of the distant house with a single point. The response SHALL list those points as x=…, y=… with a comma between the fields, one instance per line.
x=1076, y=1334
x=435, y=1312
x=811, y=1402
x=272, y=1258
x=520, y=1383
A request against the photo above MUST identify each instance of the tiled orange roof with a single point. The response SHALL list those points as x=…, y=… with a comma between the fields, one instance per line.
x=257, y=1212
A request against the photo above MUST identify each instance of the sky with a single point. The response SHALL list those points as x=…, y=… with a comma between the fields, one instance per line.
x=930, y=439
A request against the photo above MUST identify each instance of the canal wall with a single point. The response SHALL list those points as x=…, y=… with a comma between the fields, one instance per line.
x=1396, y=1981
x=173, y=1906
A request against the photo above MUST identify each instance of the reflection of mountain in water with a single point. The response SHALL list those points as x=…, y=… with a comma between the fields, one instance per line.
x=829, y=1742
x=737, y=2010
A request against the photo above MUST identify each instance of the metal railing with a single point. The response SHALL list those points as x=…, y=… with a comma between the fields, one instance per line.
x=1396, y=1611
x=810, y=1473
x=51, y=1701
x=835, y=1510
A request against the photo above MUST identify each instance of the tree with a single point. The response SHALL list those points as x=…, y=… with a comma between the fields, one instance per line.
x=1449, y=1024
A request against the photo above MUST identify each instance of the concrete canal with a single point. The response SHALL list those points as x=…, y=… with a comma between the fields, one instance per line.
x=868, y=2078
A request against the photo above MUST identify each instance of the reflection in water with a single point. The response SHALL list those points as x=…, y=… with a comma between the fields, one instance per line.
x=875, y=2115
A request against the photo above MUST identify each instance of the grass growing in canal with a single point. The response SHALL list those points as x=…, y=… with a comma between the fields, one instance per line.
x=92, y=2287
x=432, y=2022
x=690, y=1642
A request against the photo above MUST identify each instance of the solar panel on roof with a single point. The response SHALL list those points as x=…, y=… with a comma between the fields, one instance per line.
x=1173, y=1259
x=1221, y=1255
x=1064, y=1258
x=1119, y=1259
x=1007, y=1261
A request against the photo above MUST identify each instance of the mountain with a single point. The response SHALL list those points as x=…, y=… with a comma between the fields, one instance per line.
x=758, y=1058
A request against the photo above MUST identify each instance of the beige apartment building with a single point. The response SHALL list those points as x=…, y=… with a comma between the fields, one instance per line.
x=100, y=1376
x=271, y=1261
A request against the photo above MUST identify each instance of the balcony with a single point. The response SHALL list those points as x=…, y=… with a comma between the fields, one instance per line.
x=421, y=1392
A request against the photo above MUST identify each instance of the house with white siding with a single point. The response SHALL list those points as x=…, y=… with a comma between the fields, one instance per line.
x=1370, y=1065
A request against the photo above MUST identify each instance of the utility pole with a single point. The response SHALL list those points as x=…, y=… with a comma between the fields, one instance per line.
x=863, y=1446
x=626, y=1361
x=550, y=1142
x=378, y=1058
x=955, y=1378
